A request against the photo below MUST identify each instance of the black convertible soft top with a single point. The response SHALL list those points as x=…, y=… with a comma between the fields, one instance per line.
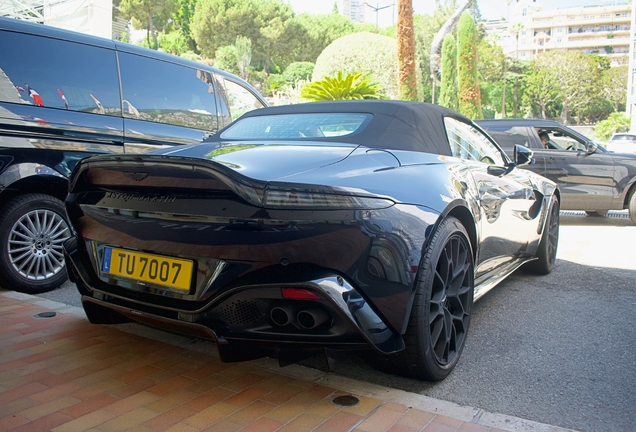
x=396, y=125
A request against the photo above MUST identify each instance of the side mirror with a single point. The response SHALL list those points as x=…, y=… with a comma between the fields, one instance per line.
x=591, y=147
x=522, y=155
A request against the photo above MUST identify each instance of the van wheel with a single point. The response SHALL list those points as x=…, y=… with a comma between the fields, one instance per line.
x=32, y=230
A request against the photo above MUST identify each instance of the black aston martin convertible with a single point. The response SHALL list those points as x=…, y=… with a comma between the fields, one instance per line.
x=313, y=227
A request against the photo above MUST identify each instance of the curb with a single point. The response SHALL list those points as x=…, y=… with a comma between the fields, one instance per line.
x=329, y=379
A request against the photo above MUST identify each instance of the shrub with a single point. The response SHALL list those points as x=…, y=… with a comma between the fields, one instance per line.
x=616, y=122
x=371, y=54
x=354, y=86
x=299, y=71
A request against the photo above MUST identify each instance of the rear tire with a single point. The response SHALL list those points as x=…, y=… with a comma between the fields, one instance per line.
x=632, y=207
x=546, y=254
x=438, y=326
x=32, y=230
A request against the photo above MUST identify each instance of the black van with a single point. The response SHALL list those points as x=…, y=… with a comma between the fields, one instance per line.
x=65, y=96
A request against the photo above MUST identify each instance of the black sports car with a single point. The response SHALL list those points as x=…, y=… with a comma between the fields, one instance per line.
x=323, y=226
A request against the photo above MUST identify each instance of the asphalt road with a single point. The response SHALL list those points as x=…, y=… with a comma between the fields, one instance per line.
x=557, y=349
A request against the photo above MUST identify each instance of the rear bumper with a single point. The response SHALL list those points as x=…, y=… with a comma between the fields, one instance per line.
x=245, y=322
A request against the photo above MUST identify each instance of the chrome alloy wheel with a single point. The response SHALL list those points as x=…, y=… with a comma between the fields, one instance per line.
x=35, y=244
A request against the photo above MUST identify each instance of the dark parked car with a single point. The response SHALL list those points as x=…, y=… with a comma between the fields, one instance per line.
x=313, y=227
x=590, y=178
x=64, y=96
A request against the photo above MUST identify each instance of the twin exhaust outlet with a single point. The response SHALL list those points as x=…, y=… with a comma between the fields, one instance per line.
x=307, y=318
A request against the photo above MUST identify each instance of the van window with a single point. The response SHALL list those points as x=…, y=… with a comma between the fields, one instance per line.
x=236, y=100
x=164, y=92
x=53, y=73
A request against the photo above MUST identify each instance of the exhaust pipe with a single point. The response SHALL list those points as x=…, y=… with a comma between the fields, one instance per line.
x=281, y=315
x=311, y=318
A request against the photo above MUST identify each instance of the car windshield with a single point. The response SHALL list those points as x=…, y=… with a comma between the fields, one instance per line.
x=297, y=126
x=624, y=138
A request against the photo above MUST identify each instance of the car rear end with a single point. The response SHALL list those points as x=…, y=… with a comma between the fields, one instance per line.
x=259, y=267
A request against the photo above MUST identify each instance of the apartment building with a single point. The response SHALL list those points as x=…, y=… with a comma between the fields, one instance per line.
x=603, y=30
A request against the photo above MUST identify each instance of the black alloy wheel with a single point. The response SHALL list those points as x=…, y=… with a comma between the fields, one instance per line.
x=547, y=251
x=440, y=317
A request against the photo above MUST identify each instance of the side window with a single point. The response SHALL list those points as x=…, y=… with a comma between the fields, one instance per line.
x=560, y=140
x=53, y=73
x=163, y=92
x=469, y=143
x=507, y=137
x=236, y=100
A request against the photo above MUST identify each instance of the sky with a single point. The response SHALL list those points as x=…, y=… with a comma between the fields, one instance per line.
x=490, y=9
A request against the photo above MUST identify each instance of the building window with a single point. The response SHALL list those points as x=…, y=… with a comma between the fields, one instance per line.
x=558, y=40
x=559, y=30
x=524, y=12
x=523, y=54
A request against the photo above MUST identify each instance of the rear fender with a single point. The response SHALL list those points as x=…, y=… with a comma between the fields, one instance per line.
x=19, y=179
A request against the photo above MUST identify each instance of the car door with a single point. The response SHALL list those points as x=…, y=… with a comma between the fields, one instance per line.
x=586, y=179
x=506, y=197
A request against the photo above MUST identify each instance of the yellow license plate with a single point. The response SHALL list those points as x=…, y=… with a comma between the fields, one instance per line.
x=170, y=272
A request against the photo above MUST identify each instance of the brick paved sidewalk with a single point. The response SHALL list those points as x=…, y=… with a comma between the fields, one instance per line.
x=65, y=374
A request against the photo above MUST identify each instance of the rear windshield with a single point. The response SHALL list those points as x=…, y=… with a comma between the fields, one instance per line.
x=297, y=126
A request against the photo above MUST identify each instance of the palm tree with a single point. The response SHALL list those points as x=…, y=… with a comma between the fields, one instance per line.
x=406, y=50
x=515, y=29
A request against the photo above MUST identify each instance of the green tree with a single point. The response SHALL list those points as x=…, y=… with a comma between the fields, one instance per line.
x=182, y=19
x=298, y=71
x=267, y=23
x=149, y=15
x=369, y=53
x=225, y=59
x=318, y=31
x=567, y=80
x=448, y=87
x=467, y=82
x=243, y=49
x=542, y=88
x=352, y=86
x=614, y=86
x=577, y=76
x=406, y=50
x=616, y=122
x=173, y=43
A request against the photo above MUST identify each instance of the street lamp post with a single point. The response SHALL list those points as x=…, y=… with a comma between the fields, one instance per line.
x=376, y=9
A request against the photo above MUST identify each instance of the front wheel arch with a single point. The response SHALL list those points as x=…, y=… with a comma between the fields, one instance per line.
x=440, y=316
x=466, y=218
